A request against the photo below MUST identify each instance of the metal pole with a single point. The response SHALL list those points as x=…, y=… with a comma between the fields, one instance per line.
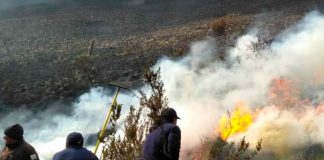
x=103, y=130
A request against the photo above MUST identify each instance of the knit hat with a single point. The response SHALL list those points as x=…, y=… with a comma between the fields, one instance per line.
x=15, y=132
x=74, y=139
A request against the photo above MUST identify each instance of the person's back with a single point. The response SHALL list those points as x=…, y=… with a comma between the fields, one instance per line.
x=163, y=143
x=157, y=147
x=77, y=153
x=74, y=149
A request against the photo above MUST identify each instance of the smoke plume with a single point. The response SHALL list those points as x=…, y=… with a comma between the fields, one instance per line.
x=47, y=130
x=201, y=87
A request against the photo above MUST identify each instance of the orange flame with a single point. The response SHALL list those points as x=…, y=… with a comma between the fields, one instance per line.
x=238, y=122
x=284, y=93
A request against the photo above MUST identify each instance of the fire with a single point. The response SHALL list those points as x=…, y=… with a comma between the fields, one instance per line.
x=237, y=122
x=284, y=93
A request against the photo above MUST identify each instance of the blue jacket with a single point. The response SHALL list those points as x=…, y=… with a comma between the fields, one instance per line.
x=163, y=143
x=75, y=153
x=74, y=149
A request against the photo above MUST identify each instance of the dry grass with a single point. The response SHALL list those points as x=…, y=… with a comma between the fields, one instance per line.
x=220, y=150
x=230, y=23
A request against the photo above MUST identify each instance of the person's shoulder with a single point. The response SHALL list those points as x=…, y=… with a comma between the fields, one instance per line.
x=176, y=129
x=90, y=154
x=172, y=127
x=28, y=147
x=58, y=155
x=27, y=150
x=86, y=150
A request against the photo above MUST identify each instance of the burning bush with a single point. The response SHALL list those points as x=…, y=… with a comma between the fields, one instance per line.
x=238, y=122
x=146, y=117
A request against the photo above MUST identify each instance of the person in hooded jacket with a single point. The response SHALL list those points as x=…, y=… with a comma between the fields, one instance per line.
x=16, y=148
x=164, y=142
x=74, y=149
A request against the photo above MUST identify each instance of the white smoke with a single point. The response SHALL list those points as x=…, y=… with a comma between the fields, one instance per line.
x=47, y=130
x=299, y=57
x=200, y=87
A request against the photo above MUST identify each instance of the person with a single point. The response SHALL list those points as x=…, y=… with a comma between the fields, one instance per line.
x=164, y=142
x=16, y=148
x=74, y=149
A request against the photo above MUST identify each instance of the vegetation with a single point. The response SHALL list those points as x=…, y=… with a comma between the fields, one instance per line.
x=230, y=24
x=129, y=146
x=140, y=121
x=46, y=55
x=219, y=26
x=224, y=151
x=84, y=67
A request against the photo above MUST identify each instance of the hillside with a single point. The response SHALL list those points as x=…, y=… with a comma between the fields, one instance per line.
x=44, y=47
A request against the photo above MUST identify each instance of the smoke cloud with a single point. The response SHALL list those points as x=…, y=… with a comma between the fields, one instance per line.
x=47, y=130
x=201, y=87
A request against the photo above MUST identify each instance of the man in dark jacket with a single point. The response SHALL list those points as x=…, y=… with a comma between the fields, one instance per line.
x=74, y=149
x=164, y=142
x=16, y=147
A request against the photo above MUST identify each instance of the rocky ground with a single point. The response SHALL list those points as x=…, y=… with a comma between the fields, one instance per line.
x=45, y=48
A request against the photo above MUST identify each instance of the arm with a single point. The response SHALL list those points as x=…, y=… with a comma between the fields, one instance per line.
x=33, y=154
x=174, y=143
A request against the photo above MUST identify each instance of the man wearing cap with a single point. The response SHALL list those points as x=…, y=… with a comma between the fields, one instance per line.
x=164, y=142
x=74, y=149
x=16, y=147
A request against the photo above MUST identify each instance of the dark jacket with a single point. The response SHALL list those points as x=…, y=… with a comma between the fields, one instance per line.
x=74, y=150
x=19, y=151
x=163, y=143
x=75, y=153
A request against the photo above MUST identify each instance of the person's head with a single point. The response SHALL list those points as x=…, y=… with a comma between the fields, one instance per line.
x=74, y=139
x=170, y=115
x=13, y=134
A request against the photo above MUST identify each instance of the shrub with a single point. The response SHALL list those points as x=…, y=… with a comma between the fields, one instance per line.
x=219, y=26
x=84, y=67
x=137, y=123
x=128, y=147
x=156, y=102
x=229, y=151
x=229, y=24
